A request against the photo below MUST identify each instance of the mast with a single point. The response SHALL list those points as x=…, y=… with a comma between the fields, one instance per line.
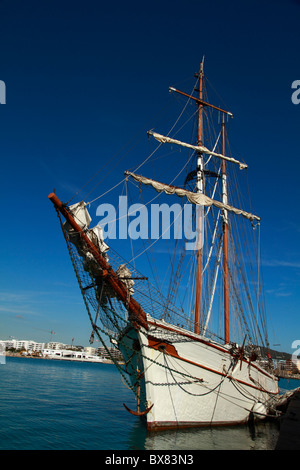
x=199, y=187
x=225, y=238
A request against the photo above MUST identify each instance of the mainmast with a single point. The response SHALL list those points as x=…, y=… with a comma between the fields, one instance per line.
x=199, y=189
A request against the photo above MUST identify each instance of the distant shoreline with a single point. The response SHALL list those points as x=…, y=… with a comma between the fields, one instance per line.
x=70, y=359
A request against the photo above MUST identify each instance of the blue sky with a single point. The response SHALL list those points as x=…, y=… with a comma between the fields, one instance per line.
x=83, y=79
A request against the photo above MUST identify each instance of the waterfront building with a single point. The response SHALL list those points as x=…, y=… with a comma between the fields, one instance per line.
x=69, y=354
x=110, y=353
x=55, y=345
x=90, y=350
x=19, y=345
x=60, y=350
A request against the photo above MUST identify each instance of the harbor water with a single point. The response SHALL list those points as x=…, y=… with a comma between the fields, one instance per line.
x=62, y=405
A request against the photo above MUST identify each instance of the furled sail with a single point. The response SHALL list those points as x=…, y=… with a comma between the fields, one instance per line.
x=80, y=214
x=195, y=198
x=200, y=148
x=83, y=219
x=125, y=275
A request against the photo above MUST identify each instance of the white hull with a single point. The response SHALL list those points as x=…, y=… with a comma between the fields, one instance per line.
x=191, y=381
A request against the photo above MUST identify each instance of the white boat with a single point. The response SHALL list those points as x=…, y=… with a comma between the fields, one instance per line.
x=190, y=380
x=182, y=373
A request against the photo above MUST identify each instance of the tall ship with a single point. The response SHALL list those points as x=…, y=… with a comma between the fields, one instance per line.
x=195, y=346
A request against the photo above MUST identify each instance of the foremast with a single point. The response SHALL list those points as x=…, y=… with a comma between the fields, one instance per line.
x=200, y=218
x=199, y=189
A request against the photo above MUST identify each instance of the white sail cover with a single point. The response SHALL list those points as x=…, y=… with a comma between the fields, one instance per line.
x=81, y=214
x=125, y=275
x=200, y=148
x=83, y=219
x=96, y=235
x=195, y=198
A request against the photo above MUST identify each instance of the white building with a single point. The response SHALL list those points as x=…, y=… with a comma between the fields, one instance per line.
x=54, y=345
x=90, y=350
x=28, y=345
x=60, y=350
x=111, y=353
x=70, y=355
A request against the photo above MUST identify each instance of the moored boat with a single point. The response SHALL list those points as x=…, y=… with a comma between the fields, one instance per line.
x=182, y=372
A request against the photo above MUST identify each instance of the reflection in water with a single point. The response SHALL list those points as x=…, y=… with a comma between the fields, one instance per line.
x=261, y=436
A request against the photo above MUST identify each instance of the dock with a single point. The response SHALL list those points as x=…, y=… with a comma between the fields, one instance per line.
x=289, y=435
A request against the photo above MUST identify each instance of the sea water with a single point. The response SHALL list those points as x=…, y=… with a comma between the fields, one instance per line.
x=62, y=405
